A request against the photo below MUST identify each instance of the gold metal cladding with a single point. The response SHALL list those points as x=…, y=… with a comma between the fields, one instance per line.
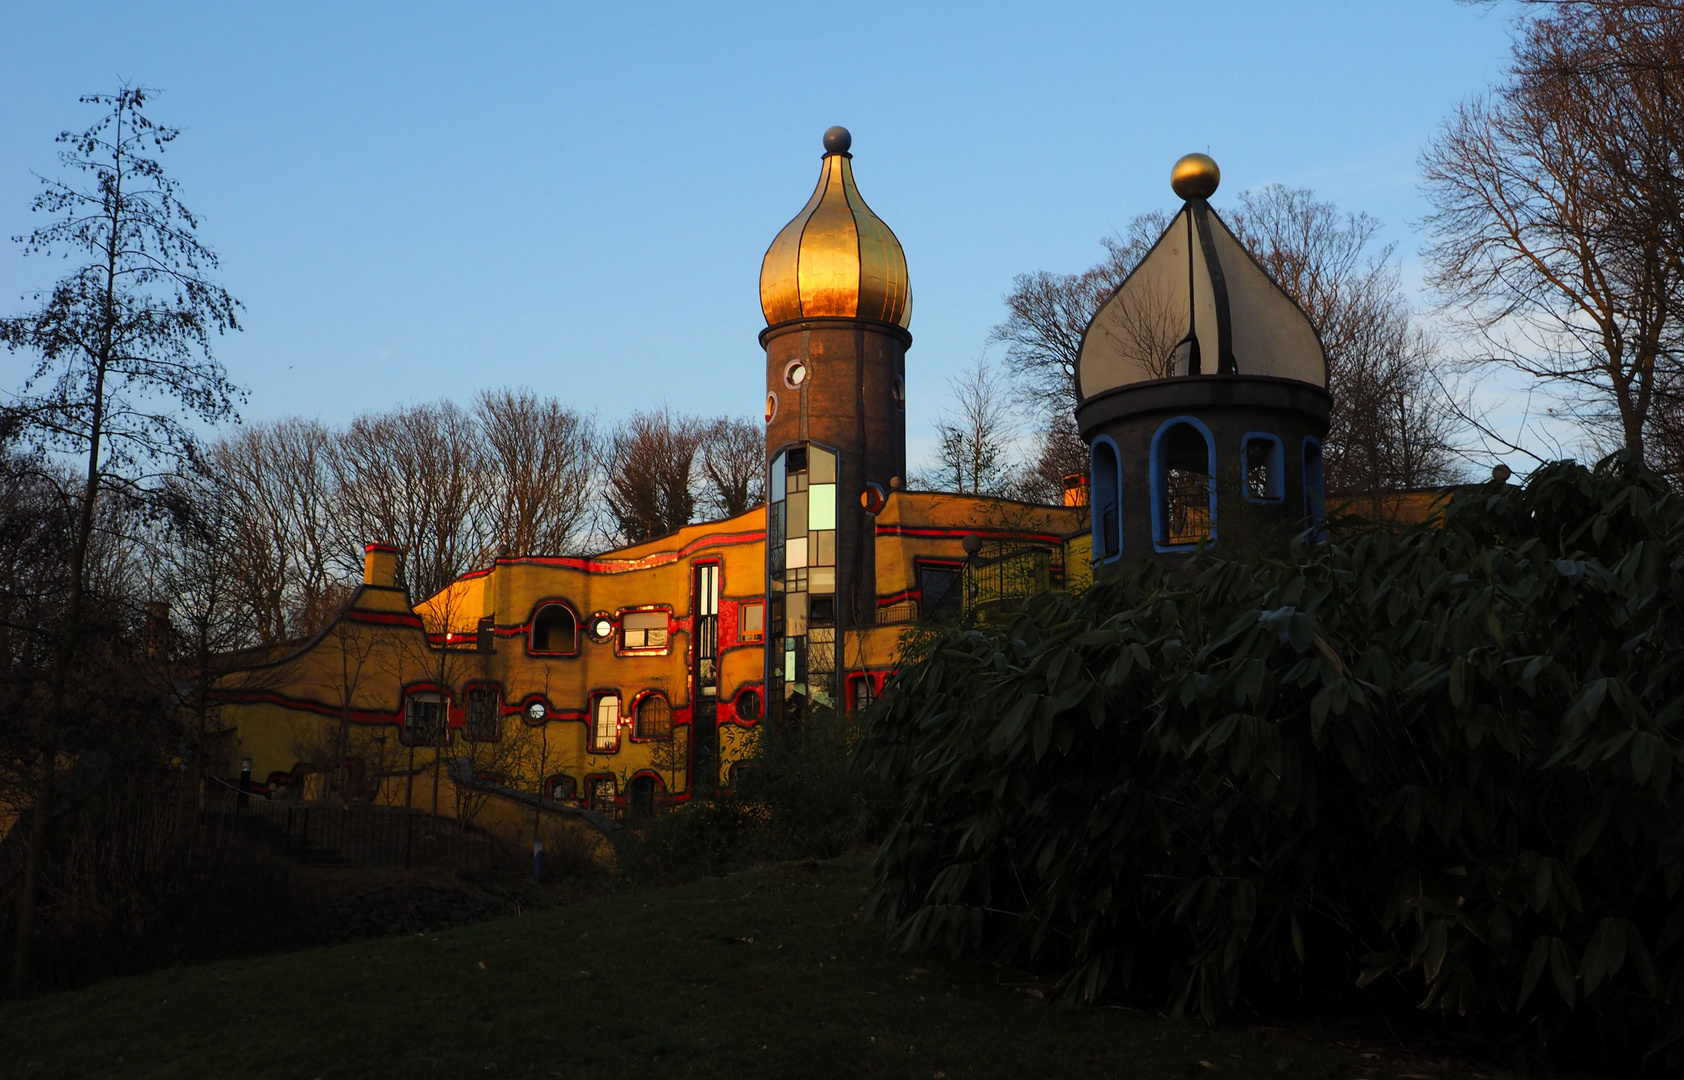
x=1195, y=176
x=836, y=258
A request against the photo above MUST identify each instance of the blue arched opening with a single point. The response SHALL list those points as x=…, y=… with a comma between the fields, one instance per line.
x=1183, y=467
x=1315, y=494
x=1106, y=497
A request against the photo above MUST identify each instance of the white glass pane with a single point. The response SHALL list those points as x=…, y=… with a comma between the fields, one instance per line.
x=821, y=507
x=795, y=554
x=821, y=579
x=644, y=620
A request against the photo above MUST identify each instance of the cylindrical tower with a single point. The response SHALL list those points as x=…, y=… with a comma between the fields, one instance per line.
x=1203, y=397
x=834, y=290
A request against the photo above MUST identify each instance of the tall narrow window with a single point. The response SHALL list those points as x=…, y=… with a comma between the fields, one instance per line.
x=654, y=717
x=605, y=724
x=1183, y=485
x=1106, y=497
x=602, y=794
x=481, y=724
x=1264, y=464
x=705, y=606
x=1315, y=496
x=865, y=692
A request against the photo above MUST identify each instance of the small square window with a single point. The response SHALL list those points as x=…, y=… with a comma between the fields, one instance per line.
x=643, y=630
x=751, y=622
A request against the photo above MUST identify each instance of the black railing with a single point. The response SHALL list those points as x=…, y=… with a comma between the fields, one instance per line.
x=329, y=834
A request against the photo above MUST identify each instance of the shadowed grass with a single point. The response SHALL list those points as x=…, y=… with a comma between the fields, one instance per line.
x=762, y=974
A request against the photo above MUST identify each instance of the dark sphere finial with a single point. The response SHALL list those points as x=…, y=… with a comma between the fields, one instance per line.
x=837, y=140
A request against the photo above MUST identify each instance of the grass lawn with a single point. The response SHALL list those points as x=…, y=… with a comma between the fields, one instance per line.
x=764, y=974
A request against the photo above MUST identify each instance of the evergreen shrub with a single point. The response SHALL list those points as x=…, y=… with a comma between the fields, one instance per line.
x=1436, y=760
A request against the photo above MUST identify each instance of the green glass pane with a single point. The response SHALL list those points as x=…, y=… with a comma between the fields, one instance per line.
x=821, y=507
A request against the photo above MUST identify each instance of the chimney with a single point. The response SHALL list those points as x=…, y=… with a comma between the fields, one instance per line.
x=380, y=566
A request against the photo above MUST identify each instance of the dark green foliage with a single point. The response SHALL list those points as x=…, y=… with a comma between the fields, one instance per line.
x=1437, y=760
x=795, y=798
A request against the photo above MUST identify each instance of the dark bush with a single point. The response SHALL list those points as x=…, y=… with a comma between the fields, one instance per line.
x=796, y=797
x=1436, y=760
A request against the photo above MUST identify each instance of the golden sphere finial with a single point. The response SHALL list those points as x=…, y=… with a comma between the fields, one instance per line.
x=1195, y=176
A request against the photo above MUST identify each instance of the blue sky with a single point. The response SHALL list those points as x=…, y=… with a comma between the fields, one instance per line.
x=419, y=201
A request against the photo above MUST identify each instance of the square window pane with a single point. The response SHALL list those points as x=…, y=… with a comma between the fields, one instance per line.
x=821, y=507
x=795, y=553
x=821, y=466
x=821, y=579
x=795, y=523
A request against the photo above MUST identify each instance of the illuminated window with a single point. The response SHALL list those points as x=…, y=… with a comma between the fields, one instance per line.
x=602, y=794
x=643, y=630
x=654, y=717
x=605, y=724
x=562, y=788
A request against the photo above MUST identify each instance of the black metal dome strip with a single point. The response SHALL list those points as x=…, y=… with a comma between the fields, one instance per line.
x=1219, y=290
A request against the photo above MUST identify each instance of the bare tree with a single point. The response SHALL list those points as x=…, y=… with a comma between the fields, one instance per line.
x=415, y=478
x=288, y=540
x=1556, y=201
x=733, y=466
x=124, y=361
x=976, y=435
x=1390, y=429
x=1059, y=452
x=1047, y=314
x=649, y=473
x=539, y=457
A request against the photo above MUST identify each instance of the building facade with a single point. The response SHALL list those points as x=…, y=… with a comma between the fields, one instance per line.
x=621, y=681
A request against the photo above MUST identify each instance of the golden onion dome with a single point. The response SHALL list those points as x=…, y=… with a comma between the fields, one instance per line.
x=836, y=258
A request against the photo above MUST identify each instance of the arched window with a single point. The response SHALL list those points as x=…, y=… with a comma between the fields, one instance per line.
x=640, y=795
x=654, y=717
x=562, y=788
x=1106, y=495
x=605, y=724
x=1264, y=460
x=1315, y=495
x=555, y=631
x=1183, y=485
x=602, y=794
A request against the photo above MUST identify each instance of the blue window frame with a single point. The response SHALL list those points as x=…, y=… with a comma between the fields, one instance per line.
x=1315, y=494
x=1107, y=501
x=1183, y=467
x=1263, y=467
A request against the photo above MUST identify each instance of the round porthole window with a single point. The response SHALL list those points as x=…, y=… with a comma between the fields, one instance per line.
x=795, y=375
x=899, y=393
x=771, y=406
x=536, y=712
x=748, y=704
x=601, y=627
